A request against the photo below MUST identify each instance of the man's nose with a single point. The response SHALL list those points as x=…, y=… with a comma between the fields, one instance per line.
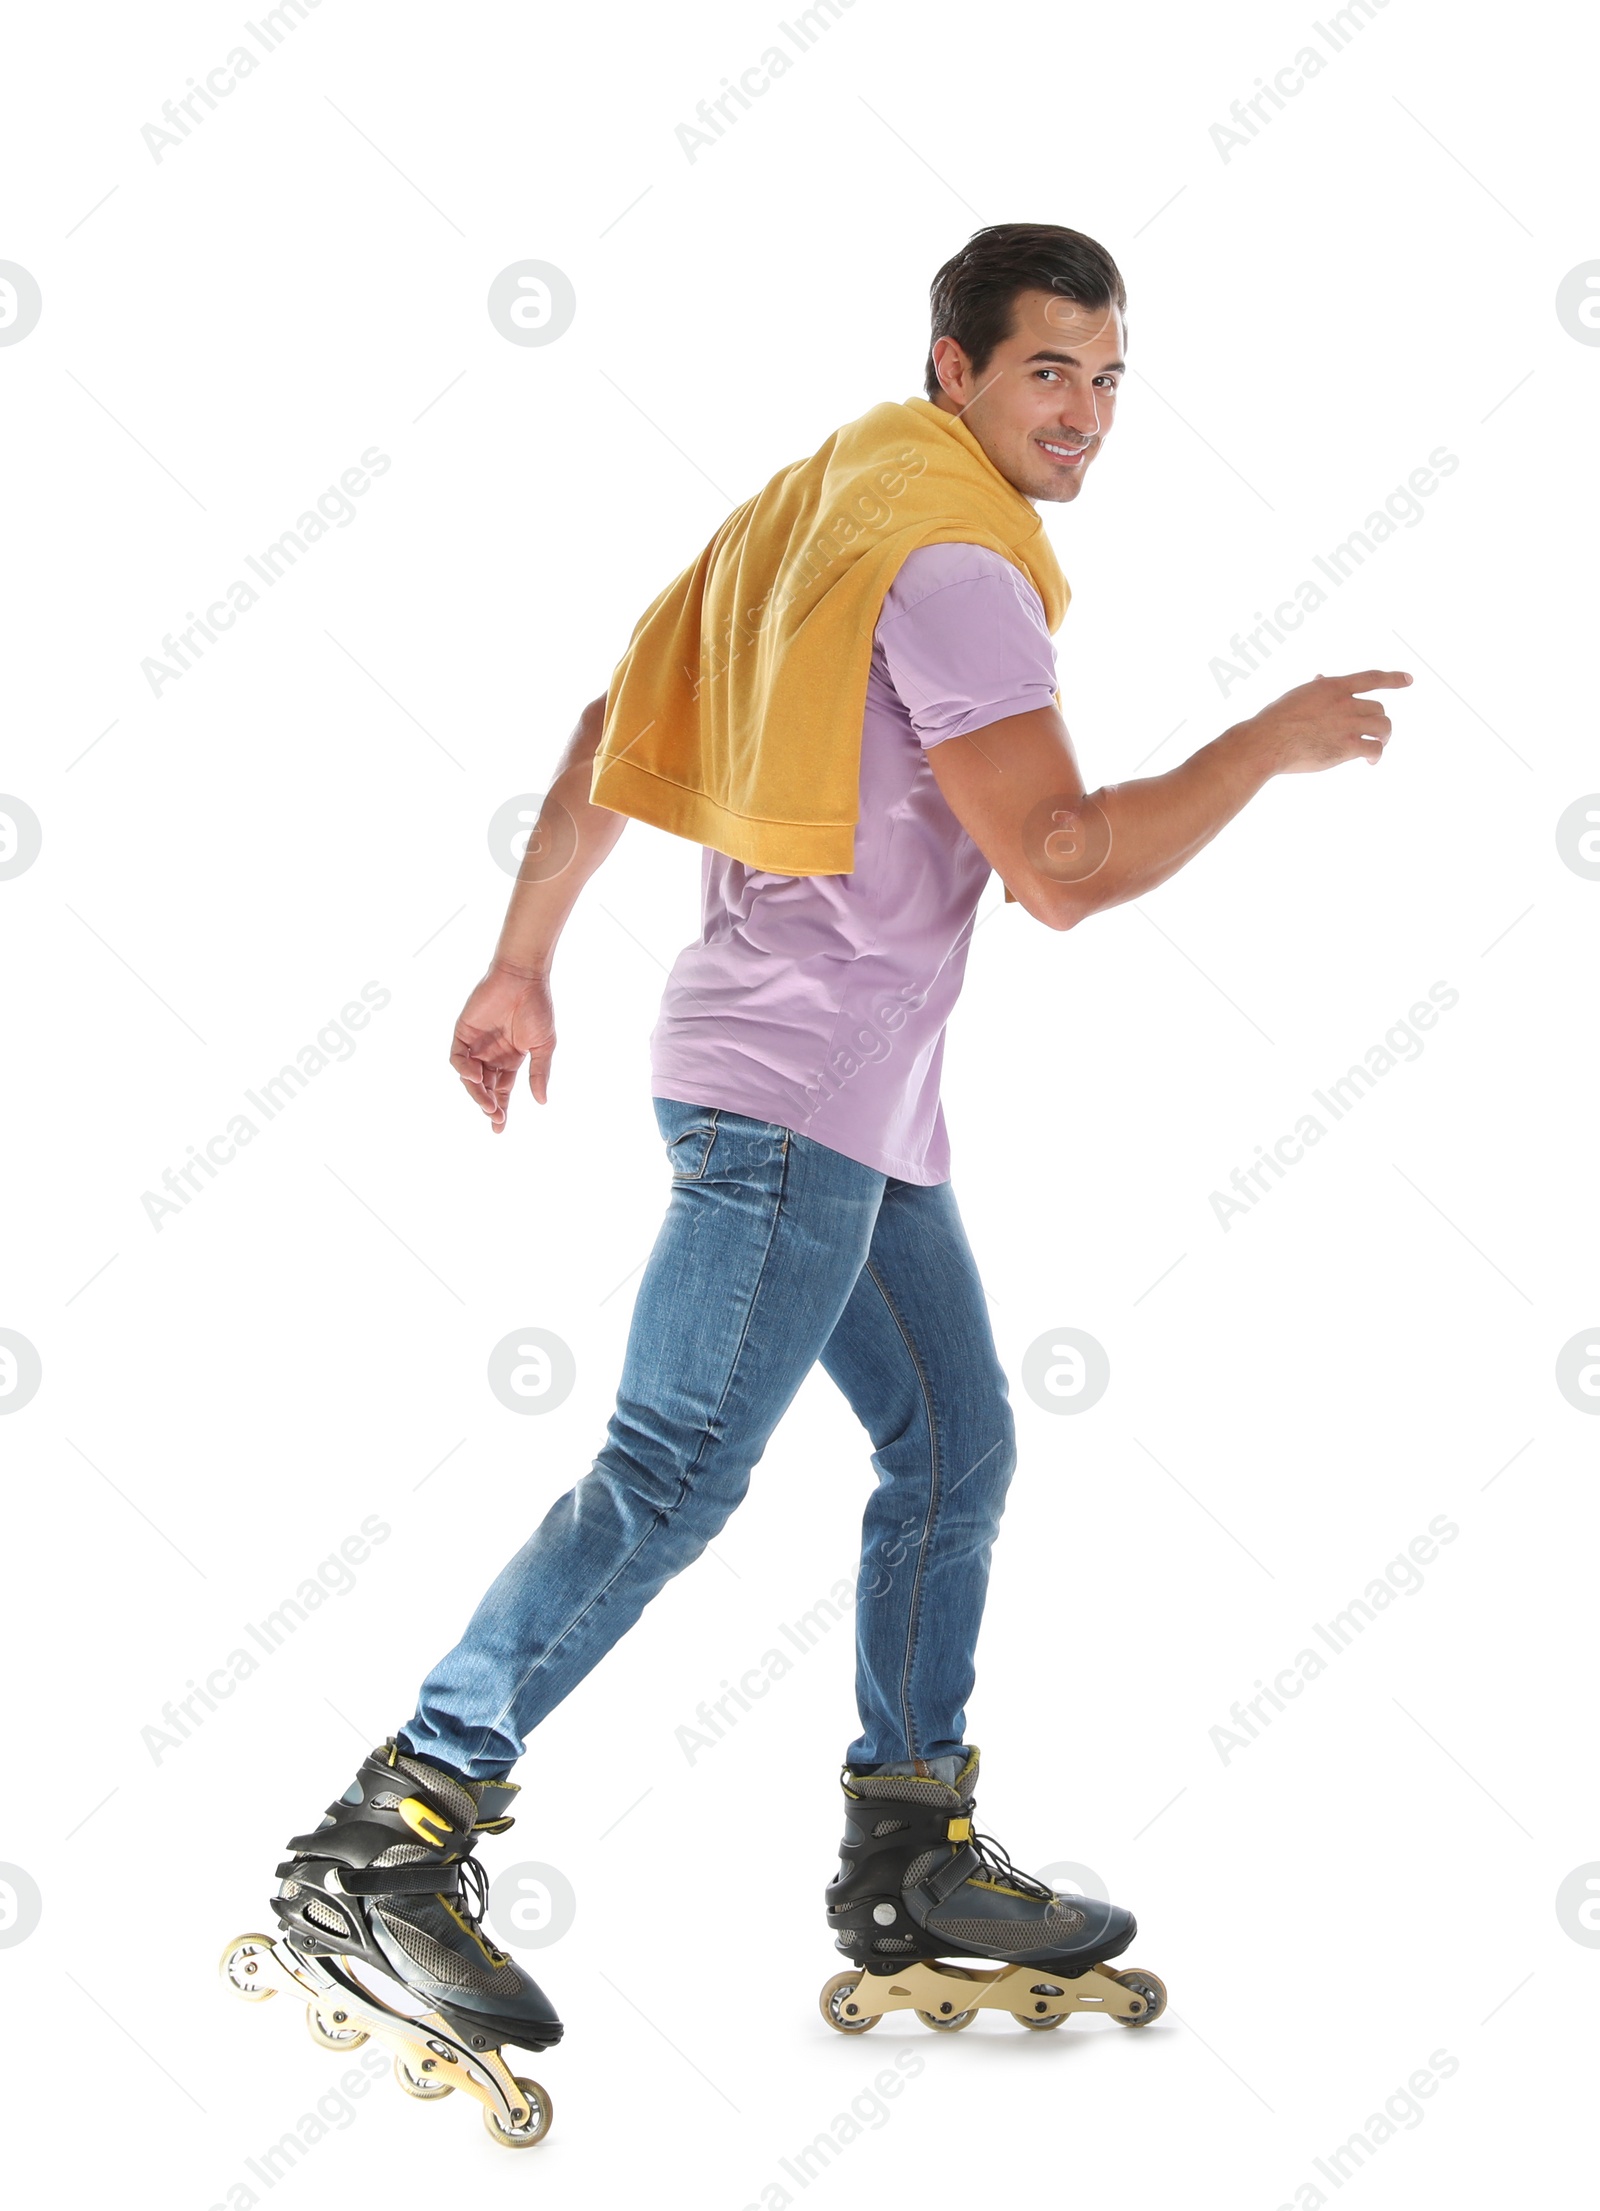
x=1080, y=415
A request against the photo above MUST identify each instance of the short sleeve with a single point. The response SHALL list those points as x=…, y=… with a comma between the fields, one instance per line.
x=964, y=641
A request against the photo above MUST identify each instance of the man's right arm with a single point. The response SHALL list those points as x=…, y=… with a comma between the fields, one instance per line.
x=1066, y=853
x=509, y=1016
x=568, y=842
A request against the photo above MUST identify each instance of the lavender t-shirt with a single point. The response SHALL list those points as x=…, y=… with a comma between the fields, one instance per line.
x=820, y=1001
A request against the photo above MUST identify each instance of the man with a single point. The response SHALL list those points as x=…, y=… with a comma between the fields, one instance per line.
x=850, y=701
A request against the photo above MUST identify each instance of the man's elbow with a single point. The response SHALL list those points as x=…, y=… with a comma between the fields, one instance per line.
x=1069, y=911
x=1068, y=848
x=1058, y=906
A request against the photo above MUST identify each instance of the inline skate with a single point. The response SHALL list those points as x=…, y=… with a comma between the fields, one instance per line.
x=917, y=1886
x=387, y=1885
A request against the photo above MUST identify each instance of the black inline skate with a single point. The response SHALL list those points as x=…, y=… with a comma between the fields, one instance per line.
x=387, y=1884
x=917, y=1884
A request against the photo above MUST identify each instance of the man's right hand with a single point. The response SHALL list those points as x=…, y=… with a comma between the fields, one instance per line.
x=1325, y=722
x=507, y=1018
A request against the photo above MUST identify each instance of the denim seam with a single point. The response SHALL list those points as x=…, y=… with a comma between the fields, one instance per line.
x=733, y=1364
x=507, y=1710
x=914, y=1620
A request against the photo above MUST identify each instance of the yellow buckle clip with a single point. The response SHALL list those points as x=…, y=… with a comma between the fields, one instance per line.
x=422, y=1819
x=959, y=1830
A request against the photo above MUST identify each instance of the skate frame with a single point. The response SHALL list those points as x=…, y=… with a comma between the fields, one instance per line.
x=937, y=1990
x=433, y=2048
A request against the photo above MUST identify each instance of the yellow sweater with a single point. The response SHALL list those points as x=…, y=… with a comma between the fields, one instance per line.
x=734, y=717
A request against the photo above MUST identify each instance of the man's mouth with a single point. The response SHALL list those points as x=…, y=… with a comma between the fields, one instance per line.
x=1070, y=456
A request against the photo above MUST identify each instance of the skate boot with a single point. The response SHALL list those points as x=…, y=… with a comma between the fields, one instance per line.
x=917, y=1884
x=387, y=1885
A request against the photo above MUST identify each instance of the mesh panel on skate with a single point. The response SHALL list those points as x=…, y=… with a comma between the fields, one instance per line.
x=890, y=1826
x=445, y=1966
x=997, y=1937
x=919, y=1869
x=904, y=1788
x=439, y=1787
x=403, y=1854
x=325, y=1916
x=895, y=1942
x=385, y=1801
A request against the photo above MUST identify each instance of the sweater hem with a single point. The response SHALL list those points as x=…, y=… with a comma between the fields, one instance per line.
x=775, y=847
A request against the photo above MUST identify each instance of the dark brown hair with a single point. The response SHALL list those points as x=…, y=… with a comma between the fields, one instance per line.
x=972, y=296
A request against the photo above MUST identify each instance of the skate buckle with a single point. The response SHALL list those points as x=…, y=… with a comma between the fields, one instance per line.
x=421, y=1818
x=959, y=1830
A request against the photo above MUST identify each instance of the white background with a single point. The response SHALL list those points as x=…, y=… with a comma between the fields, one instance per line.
x=1372, y=1880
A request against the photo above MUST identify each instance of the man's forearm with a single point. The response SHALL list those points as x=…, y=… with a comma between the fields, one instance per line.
x=567, y=844
x=1147, y=830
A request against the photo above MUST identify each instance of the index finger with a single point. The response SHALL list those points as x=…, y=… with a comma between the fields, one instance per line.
x=1378, y=679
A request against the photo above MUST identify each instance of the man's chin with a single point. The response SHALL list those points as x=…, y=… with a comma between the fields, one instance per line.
x=1049, y=482
x=1035, y=487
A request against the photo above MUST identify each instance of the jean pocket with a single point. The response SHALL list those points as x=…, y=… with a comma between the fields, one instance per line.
x=690, y=1150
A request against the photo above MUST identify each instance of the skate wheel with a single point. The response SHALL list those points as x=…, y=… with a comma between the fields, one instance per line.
x=1042, y=1990
x=948, y=2023
x=835, y=2001
x=1153, y=1991
x=421, y=2079
x=330, y=2030
x=534, y=2127
x=243, y=1967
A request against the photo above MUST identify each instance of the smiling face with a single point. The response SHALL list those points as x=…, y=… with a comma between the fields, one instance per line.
x=1042, y=404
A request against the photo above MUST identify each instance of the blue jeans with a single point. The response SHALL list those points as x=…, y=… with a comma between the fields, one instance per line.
x=775, y=1252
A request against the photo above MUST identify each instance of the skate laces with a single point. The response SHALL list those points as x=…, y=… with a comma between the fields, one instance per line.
x=475, y=1882
x=475, y=1887
x=996, y=1861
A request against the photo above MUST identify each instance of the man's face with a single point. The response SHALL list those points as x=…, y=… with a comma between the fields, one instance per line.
x=1042, y=405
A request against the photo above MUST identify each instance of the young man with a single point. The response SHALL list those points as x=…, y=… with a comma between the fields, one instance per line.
x=850, y=701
